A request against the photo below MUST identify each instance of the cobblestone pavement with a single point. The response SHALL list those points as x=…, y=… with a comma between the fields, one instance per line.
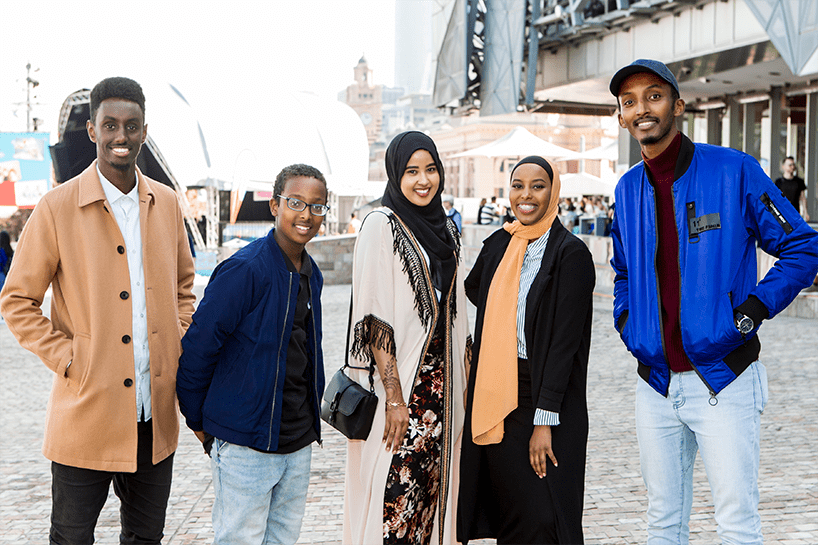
x=615, y=495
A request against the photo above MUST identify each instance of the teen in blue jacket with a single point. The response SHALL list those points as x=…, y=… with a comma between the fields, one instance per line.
x=251, y=372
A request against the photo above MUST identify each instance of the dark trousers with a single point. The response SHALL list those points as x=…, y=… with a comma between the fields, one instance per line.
x=78, y=496
x=523, y=500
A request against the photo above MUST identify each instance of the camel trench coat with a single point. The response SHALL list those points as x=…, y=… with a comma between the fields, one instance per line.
x=72, y=243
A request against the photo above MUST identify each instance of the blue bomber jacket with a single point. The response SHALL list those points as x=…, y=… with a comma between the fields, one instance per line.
x=230, y=381
x=724, y=205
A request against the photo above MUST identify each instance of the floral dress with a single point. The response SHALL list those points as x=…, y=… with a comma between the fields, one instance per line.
x=413, y=484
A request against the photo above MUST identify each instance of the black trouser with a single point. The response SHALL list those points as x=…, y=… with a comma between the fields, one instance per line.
x=78, y=496
x=525, y=508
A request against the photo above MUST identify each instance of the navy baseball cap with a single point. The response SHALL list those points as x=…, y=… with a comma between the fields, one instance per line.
x=643, y=65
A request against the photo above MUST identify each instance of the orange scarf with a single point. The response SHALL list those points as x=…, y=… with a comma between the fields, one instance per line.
x=495, y=388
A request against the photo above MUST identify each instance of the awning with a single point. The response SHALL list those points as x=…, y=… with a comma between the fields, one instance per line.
x=520, y=143
x=582, y=183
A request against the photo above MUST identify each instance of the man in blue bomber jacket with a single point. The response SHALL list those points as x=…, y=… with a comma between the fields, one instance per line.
x=688, y=305
x=251, y=374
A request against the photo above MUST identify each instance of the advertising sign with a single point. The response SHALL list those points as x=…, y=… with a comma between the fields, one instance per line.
x=25, y=168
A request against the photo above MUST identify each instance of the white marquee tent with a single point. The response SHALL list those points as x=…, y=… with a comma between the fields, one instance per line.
x=605, y=152
x=519, y=142
x=582, y=183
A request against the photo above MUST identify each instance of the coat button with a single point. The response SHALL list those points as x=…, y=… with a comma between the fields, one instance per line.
x=120, y=249
x=123, y=295
x=128, y=383
x=126, y=339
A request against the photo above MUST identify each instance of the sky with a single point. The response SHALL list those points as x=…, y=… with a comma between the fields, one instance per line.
x=210, y=50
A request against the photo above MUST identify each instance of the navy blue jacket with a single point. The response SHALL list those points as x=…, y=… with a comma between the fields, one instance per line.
x=230, y=380
x=724, y=205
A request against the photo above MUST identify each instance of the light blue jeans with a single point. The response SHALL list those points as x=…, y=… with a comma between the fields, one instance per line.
x=725, y=430
x=260, y=497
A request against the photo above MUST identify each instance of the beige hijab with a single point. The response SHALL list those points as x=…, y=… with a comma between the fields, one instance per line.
x=495, y=389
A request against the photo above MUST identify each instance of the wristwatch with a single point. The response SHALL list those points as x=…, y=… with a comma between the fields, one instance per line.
x=744, y=324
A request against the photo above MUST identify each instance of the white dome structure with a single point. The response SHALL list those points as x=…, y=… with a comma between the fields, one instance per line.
x=245, y=138
x=279, y=128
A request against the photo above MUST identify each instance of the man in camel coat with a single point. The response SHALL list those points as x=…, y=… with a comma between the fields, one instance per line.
x=112, y=245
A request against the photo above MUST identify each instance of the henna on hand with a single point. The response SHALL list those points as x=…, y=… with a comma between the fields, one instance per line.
x=391, y=382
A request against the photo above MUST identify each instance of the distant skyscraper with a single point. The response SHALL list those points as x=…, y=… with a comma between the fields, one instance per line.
x=413, y=45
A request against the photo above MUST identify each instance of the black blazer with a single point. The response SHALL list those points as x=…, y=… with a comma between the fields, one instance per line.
x=558, y=318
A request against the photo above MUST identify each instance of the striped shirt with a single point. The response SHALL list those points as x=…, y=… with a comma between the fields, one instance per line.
x=531, y=266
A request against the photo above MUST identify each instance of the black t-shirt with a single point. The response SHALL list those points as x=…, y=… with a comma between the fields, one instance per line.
x=792, y=189
x=297, y=418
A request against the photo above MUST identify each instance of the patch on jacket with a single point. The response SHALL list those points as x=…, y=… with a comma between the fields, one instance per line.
x=700, y=224
x=705, y=223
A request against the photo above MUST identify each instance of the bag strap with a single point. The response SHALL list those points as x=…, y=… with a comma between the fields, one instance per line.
x=349, y=326
x=346, y=352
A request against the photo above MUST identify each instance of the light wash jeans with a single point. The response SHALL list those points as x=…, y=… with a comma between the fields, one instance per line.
x=260, y=497
x=725, y=430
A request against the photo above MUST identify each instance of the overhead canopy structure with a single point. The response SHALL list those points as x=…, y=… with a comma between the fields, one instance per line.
x=605, y=152
x=791, y=25
x=520, y=143
x=577, y=185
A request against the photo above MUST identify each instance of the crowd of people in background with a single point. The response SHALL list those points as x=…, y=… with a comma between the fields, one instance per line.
x=571, y=211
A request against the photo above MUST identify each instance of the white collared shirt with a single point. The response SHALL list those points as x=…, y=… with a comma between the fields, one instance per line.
x=126, y=212
x=531, y=266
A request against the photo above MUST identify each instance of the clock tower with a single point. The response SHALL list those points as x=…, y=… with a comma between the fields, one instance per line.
x=367, y=100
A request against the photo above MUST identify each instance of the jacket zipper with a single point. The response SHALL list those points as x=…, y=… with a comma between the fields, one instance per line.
x=679, y=269
x=278, y=366
x=656, y=269
x=317, y=404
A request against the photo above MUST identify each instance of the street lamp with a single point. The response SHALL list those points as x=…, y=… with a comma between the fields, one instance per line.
x=30, y=84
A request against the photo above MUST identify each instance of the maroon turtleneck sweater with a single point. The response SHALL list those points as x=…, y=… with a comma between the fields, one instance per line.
x=661, y=169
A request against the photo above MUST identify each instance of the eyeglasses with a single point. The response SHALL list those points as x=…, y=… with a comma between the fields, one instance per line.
x=299, y=206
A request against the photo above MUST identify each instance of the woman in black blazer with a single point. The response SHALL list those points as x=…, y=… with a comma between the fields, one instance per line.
x=522, y=466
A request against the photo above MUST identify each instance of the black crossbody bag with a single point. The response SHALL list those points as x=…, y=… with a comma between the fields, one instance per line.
x=347, y=406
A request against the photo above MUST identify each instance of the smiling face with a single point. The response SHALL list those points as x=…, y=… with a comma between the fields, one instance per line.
x=295, y=229
x=530, y=193
x=119, y=131
x=420, y=178
x=648, y=111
